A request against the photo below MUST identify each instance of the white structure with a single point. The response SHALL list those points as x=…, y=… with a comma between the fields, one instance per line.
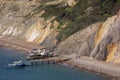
x=43, y=52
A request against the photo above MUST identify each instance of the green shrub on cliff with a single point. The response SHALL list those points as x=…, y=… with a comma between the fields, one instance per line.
x=84, y=13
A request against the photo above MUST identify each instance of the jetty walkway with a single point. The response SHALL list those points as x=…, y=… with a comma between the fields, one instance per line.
x=53, y=60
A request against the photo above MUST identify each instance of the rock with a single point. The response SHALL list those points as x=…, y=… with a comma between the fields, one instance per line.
x=56, y=24
x=71, y=3
x=89, y=10
x=100, y=41
x=80, y=43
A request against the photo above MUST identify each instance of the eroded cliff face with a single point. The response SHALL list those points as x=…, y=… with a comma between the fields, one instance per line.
x=80, y=43
x=100, y=41
x=108, y=44
x=22, y=20
x=14, y=22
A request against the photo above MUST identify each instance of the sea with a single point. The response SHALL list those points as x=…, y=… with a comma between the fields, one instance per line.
x=40, y=71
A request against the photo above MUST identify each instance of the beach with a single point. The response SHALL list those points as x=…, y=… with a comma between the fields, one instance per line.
x=100, y=67
x=83, y=62
x=22, y=46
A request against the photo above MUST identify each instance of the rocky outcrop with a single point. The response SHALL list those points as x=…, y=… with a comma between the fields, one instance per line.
x=108, y=39
x=81, y=43
x=71, y=3
x=100, y=41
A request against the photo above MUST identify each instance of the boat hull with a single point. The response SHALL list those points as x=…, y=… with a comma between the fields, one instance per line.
x=14, y=66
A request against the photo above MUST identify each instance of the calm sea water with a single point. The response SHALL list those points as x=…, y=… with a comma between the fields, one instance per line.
x=40, y=72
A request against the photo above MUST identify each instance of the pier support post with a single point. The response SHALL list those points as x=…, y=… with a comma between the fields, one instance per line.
x=48, y=62
x=42, y=62
x=53, y=62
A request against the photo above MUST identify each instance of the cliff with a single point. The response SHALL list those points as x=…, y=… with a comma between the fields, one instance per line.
x=84, y=27
x=100, y=41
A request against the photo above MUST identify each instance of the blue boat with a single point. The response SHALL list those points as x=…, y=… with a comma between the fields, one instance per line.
x=16, y=64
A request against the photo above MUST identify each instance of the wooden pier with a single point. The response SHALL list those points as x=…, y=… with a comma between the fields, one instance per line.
x=53, y=60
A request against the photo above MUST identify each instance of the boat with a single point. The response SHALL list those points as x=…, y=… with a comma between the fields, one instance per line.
x=16, y=64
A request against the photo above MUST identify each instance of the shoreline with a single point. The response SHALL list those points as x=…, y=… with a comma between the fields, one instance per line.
x=105, y=69
x=84, y=63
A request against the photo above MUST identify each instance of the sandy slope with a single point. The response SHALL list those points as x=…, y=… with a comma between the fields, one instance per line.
x=8, y=42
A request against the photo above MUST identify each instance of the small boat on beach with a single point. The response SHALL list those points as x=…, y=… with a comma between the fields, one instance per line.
x=16, y=64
